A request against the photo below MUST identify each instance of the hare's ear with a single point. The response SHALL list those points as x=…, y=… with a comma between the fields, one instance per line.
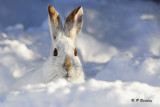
x=54, y=21
x=73, y=23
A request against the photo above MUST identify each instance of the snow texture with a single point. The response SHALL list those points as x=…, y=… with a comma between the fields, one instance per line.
x=119, y=47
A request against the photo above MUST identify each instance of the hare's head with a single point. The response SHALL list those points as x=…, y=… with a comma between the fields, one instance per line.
x=63, y=59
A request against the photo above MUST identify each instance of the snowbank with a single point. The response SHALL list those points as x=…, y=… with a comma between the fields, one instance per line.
x=93, y=93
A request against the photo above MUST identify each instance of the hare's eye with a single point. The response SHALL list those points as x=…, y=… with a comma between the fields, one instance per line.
x=75, y=52
x=55, y=53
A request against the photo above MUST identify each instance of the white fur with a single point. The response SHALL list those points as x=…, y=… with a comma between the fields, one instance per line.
x=52, y=68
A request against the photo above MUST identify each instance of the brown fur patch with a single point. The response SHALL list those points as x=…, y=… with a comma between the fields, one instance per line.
x=67, y=63
x=75, y=52
x=71, y=17
x=70, y=20
x=53, y=15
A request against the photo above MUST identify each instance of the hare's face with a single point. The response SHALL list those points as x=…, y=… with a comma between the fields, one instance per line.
x=63, y=60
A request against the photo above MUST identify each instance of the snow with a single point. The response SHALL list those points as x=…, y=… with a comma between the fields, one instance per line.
x=119, y=47
x=92, y=93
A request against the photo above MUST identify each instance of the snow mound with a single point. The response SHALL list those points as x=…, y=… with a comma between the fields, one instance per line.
x=93, y=93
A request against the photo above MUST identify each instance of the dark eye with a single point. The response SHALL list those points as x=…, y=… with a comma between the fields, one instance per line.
x=55, y=53
x=75, y=52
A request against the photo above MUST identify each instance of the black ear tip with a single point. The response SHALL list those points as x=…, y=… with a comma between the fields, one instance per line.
x=79, y=7
x=50, y=6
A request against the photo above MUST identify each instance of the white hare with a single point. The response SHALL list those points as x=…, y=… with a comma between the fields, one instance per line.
x=63, y=61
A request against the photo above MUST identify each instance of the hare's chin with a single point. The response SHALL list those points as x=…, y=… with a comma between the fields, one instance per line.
x=67, y=77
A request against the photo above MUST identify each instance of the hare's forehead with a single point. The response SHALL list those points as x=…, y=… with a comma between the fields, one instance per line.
x=64, y=43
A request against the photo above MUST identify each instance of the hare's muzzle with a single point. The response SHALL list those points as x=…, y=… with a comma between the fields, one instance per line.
x=68, y=67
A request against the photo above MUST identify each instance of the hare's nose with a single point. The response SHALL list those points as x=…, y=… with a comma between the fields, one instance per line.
x=66, y=69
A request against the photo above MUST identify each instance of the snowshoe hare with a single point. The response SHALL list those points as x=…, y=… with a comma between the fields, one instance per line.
x=63, y=61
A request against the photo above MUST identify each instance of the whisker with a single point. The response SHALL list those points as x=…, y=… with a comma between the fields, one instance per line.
x=54, y=77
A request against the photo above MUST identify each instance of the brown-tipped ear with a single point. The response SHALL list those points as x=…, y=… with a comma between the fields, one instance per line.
x=73, y=23
x=55, y=22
